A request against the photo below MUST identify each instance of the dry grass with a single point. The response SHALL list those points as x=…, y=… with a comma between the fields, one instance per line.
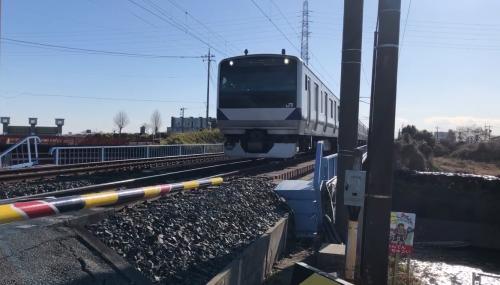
x=448, y=164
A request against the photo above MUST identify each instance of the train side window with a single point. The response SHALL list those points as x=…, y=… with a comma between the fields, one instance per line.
x=335, y=110
x=309, y=107
x=326, y=103
x=322, y=101
x=331, y=108
x=316, y=96
x=306, y=81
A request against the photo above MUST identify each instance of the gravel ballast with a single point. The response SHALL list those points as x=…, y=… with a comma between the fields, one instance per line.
x=23, y=188
x=189, y=237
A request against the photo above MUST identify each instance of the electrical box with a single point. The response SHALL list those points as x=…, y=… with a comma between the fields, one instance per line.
x=354, y=188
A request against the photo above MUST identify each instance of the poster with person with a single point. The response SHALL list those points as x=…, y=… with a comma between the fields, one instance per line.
x=401, y=232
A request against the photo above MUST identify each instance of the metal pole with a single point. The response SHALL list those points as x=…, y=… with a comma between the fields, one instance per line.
x=374, y=263
x=209, y=59
x=349, y=102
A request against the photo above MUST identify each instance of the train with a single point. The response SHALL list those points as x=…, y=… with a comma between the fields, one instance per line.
x=274, y=105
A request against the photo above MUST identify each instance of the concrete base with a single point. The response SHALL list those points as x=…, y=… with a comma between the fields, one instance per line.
x=330, y=258
x=256, y=262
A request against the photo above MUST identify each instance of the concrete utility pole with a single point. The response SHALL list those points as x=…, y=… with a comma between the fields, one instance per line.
x=1, y=31
x=378, y=198
x=437, y=134
x=209, y=59
x=349, y=105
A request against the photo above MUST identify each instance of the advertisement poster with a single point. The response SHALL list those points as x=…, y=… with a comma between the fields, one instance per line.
x=401, y=232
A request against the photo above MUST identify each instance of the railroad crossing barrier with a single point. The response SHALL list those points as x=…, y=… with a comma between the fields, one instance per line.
x=88, y=154
x=48, y=207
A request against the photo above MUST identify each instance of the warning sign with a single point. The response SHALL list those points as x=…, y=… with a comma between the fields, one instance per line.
x=401, y=232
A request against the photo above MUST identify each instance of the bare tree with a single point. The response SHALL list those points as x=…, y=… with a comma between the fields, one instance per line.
x=121, y=120
x=155, y=121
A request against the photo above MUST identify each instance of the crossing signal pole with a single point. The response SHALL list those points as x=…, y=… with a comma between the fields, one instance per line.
x=208, y=58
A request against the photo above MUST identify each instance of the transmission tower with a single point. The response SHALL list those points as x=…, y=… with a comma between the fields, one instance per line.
x=304, y=42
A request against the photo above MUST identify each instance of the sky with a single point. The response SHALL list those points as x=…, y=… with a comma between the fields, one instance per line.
x=142, y=55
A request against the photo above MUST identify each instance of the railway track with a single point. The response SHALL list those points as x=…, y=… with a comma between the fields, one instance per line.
x=269, y=168
x=50, y=171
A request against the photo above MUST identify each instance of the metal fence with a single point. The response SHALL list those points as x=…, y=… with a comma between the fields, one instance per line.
x=23, y=154
x=76, y=155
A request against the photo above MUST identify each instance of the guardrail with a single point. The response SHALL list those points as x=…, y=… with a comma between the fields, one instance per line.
x=82, y=154
x=325, y=167
x=23, y=154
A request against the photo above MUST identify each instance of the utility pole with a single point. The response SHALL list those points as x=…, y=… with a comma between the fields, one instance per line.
x=348, y=129
x=1, y=31
x=209, y=59
x=182, y=119
x=349, y=106
x=304, y=41
x=437, y=134
x=487, y=129
x=378, y=198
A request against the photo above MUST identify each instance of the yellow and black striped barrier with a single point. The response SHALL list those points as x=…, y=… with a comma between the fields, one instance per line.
x=47, y=207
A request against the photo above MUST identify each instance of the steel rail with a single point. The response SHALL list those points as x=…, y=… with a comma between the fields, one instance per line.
x=95, y=167
x=114, y=184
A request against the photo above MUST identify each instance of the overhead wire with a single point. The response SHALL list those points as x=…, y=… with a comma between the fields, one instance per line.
x=115, y=99
x=404, y=27
x=92, y=51
x=168, y=19
x=276, y=26
x=210, y=30
x=286, y=37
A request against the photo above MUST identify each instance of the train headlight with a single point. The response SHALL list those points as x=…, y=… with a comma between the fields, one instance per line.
x=286, y=61
x=231, y=63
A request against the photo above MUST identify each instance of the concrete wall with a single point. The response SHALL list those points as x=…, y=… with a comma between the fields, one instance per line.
x=451, y=207
x=256, y=262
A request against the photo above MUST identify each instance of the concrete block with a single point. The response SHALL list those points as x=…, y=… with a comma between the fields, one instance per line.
x=331, y=257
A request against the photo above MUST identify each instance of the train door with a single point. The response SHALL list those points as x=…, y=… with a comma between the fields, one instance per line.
x=316, y=104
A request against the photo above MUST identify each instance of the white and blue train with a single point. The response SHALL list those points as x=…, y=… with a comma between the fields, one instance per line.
x=273, y=105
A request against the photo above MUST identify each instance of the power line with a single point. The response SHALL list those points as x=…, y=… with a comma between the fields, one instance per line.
x=276, y=26
x=115, y=99
x=404, y=28
x=181, y=8
x=92, y=51
x=285, y=18
x=285, y=36
x=173, y=23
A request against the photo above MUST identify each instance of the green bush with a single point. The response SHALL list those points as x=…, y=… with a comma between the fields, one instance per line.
x=200, y=137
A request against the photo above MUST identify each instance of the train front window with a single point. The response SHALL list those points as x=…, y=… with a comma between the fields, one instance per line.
x=258, y=83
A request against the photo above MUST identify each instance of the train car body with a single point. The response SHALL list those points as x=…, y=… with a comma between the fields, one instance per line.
x=272, y=105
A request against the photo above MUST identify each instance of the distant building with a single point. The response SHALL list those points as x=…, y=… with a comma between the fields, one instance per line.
x=190, y=124
x=473, y=134
x=32, y=129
